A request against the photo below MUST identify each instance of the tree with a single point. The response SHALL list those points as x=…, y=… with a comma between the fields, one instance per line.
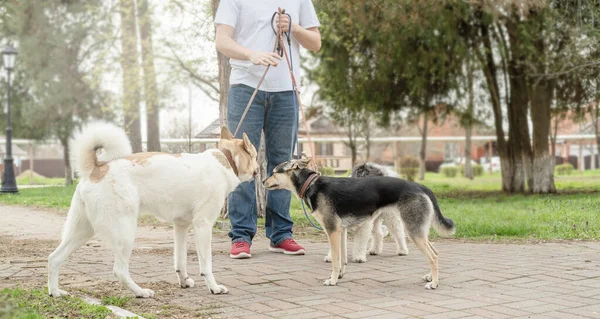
x=150, y=87
x=64, y=42
x=468, y=119
x=224, y=72
x=380, y=57
x=388, y=56
x=131, y=74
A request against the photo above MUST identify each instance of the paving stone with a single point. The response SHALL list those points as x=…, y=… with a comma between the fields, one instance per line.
x=477, y=280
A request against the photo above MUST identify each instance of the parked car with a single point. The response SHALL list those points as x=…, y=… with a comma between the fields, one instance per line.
x=495, y=162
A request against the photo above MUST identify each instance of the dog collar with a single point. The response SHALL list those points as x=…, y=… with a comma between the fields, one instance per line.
x=313, y=177
x=229, y=157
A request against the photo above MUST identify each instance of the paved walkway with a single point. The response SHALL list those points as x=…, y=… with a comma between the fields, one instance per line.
x=554, y=280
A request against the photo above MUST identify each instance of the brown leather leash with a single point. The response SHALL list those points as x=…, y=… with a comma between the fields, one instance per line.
x=280, y=44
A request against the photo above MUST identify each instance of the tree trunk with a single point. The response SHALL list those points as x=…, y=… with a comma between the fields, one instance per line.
x=595, y=122
x=131, y=73
x=423, y=152
x=354, y=154
x=150, y=88
x=543, y=163
x=367, y=135
x=519, y=143
x=553, y=142
x=261, y=194
x=469, y=123
x=489, y=67
x=224, y=72
x=67, y=159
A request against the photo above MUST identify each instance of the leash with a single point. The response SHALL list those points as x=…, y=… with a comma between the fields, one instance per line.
x=295, y=88
x=279, y=47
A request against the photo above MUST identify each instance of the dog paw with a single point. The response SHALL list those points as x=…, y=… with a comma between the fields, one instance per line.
x=402, y=252
x=431, y=285
x=58, y=293
x=427, y=278
x=327, y=259
x=359, y=260
x=341, y=275
x=330, y=282
x=145, y=293
x=374, y=252
x=188, y=283
x=219, y=290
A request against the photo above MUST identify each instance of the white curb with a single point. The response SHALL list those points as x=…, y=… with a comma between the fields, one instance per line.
x=119, y=312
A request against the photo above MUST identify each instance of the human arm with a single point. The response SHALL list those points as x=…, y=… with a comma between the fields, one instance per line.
x=309, y=38
x=227, y=46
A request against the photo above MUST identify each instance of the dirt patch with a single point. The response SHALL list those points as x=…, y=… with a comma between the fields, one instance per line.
x=28, y=248
x=164, y=304
x=27, y=172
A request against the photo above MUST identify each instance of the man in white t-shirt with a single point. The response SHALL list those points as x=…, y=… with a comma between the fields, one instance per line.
x=245, y=35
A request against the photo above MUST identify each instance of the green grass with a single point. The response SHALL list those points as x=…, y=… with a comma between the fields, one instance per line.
x=41, y=181
x=547, y=217
x=115, y=301
x=497, y=216
x=52, y=197
x=36, y=304
x=479, y=208
x=589, y=181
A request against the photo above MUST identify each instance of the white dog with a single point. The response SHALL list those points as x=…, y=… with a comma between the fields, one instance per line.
x=116, y=186
x=393, y=222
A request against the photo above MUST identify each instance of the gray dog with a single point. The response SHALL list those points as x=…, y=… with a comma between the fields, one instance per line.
x=392, y=221
x=341, y=203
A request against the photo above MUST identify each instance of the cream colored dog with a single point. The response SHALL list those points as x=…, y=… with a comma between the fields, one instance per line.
x=116, y=186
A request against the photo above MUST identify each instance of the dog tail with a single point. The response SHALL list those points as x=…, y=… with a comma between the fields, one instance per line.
x=444, y=226
x=96, y=136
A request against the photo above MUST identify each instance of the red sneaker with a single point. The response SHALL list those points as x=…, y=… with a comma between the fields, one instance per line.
x=288, y=247
x=240, y=250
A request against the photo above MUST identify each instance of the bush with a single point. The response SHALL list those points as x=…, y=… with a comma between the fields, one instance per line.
x=326, y=171
x=450, y=171
x=476, y=168
x=348, y=172
x=409, y=167
x=563, y=169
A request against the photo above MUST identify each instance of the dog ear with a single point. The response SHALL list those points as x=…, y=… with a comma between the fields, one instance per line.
x=226, y=133
x=247, y=144
x=304, y=162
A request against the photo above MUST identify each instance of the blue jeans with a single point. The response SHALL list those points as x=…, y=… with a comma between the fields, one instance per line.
x=277, y=114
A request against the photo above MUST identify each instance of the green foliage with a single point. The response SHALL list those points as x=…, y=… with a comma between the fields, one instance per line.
x=348, y=173
x=408, y=167
x=326, y=171
x=60, y=64
x=476, y=168
x=37, y=304
x=563, y=169
x=382, y=56
x=449, y=171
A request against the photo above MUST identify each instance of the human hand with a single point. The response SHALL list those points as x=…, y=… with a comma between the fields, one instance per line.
x=283, y=21
x=264, y=58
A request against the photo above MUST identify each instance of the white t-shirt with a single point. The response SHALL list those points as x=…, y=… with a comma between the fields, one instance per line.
x=252, y=23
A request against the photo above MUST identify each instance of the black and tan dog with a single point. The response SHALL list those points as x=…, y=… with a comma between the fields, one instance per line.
x=339, y=203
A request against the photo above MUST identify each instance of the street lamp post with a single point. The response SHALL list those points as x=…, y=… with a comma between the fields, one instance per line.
x=9, y=183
